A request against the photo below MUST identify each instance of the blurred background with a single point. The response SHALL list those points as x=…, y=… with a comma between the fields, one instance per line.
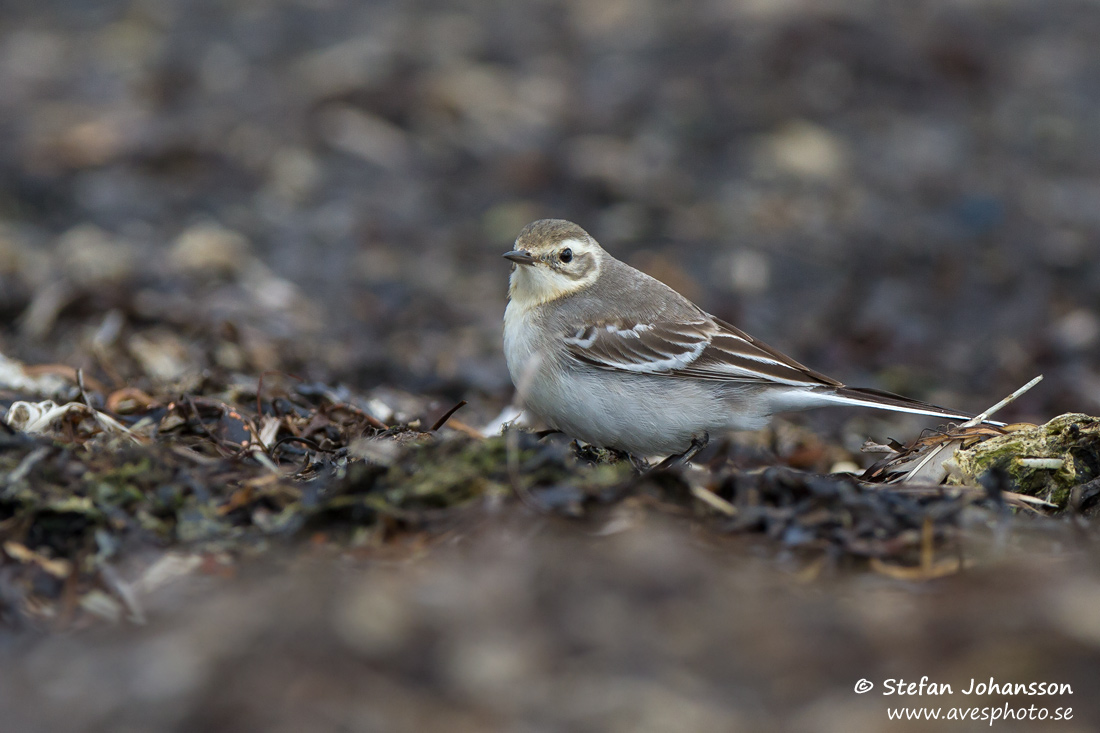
x=902, y=195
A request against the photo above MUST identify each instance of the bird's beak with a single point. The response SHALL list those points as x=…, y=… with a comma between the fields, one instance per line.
x=520, y=257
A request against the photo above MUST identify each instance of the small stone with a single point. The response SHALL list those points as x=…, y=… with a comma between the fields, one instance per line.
x=845, y=467
x=92, y=257
x=294, y=174
x=100, y=604
x=366, y=136
x=373, y=620
x=1078, y=330
x=750, y=272
x=210, y=248
x=804, y=150
x=162, y=355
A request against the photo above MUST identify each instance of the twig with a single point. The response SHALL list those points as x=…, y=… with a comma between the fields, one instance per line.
x=1051, y=464
x=980, y=418
x=256, y=450
x=927, y=544
x=910, y=573
x=462, y=427
x=372, y=421
x=218, y=442
x=304, y=441
x=26, y=465
x=939, y=489
x=193, y=455
x=714, y=501
x=511, y=454
x=446, y=416
x=124, y=591
x=83, y=392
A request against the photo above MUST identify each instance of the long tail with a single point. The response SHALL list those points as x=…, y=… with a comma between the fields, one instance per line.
x=881, y=400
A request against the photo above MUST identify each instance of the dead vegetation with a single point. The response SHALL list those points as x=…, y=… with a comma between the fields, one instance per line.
x=97, y=479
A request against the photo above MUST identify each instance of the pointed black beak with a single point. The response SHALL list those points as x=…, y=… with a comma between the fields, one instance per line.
x=520, y=257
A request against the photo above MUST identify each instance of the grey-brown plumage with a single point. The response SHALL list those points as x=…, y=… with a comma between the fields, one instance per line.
x=609, y=355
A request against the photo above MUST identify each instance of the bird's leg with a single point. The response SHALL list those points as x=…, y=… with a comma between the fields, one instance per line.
x=698, y=443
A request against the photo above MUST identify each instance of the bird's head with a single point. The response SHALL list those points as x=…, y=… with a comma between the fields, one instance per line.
x=553, y=258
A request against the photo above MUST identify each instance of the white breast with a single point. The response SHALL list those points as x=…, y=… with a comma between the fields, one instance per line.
x=520, y=347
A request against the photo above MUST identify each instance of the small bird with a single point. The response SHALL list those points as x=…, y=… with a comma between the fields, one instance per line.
x=611, y=356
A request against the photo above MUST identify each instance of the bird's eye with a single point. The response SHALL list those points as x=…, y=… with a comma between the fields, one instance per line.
x=566, y=255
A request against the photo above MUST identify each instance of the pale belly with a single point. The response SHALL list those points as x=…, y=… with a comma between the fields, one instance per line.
x=646, y=415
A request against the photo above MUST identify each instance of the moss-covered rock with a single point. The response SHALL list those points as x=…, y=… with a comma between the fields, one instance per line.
x=1045, y=461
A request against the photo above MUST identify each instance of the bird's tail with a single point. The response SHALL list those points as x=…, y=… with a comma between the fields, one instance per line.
x=862, y=397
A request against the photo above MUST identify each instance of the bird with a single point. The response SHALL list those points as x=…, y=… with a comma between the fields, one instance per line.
x=615, y=358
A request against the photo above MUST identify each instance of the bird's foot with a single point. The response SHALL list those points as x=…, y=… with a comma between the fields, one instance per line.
x=698, y=443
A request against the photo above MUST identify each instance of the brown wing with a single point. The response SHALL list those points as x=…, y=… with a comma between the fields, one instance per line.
x=702, y=348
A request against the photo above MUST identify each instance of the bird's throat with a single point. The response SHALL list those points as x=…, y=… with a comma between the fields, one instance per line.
x=533, y=285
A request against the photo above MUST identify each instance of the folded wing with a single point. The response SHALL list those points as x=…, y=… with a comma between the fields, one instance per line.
x=700, y=348
x=707, y=348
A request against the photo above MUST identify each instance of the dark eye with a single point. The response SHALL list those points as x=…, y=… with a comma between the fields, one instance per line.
x=566, y=255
